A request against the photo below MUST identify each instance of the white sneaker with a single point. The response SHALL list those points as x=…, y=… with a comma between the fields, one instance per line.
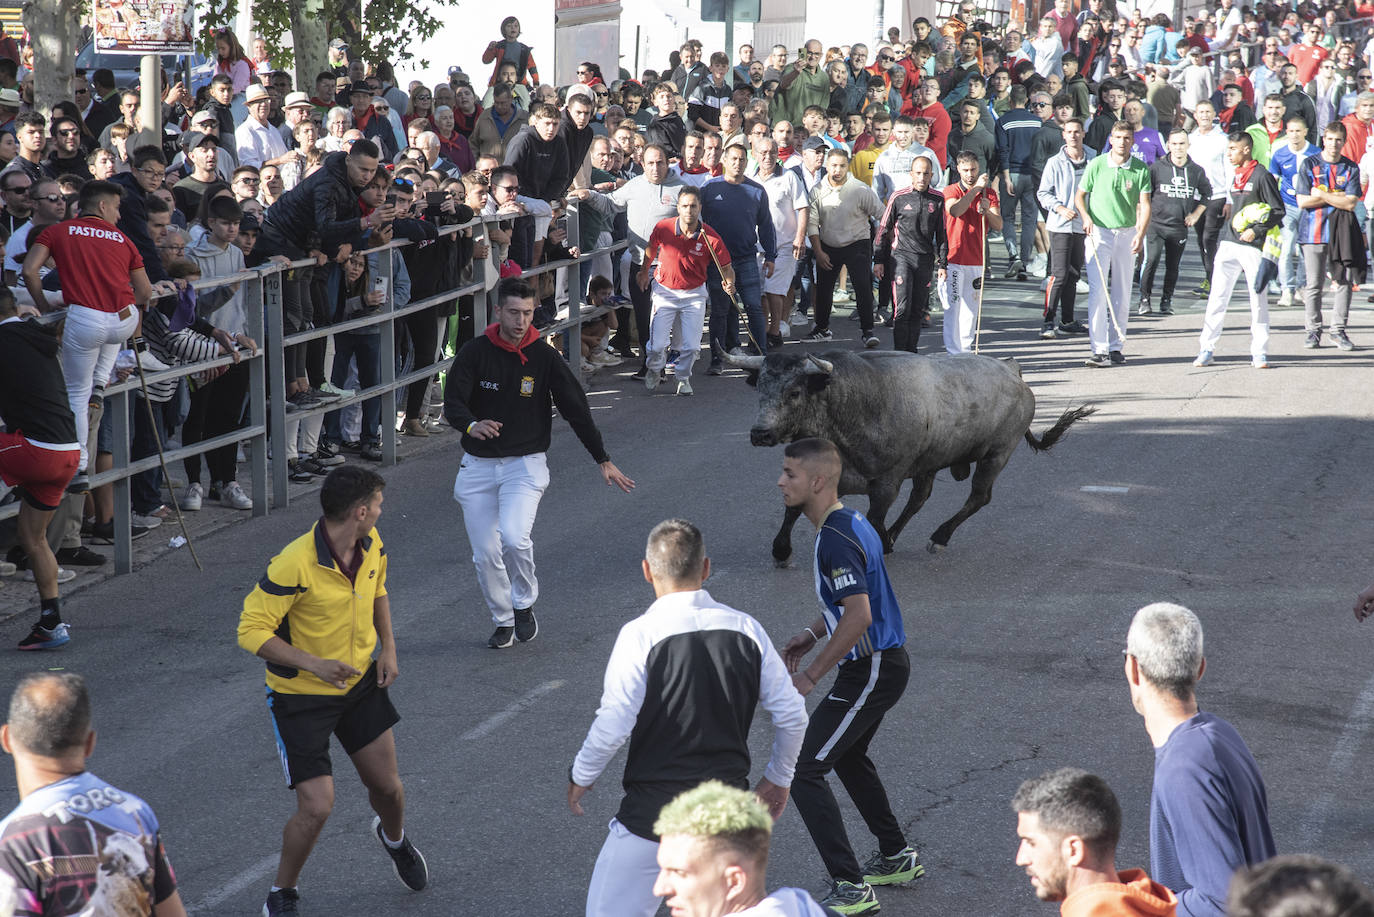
x=605, y=358
x=191, y=498
x=1082, y=287
x=588, y=367
x=148, y=522
x=1039, y=266
x=799, y=319
x=232, y=496
x=784, y=329
x=63, y=575
x=684, y=387
x=651, y=378
x=1286, y=299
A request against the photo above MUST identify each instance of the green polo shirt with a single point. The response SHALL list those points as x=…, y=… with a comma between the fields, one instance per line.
x=1113, y=191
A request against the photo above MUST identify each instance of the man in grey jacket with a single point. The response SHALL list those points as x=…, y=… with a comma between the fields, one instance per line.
x=645, y=199
x=1058, y=186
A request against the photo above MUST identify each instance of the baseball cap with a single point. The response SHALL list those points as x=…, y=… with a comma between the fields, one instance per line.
x=201, y=117
x=358, y=87
x=297, y=100
x=248, y=223
x=815, y=143
x=339, y=44
x=192, y=139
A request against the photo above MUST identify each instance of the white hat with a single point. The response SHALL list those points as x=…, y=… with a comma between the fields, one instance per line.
x=256, y=93
x=297, y=100
x=9, y=98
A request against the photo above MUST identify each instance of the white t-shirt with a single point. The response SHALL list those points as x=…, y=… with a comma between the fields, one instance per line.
x=785, y=902
x=17, y=247
x=786, y=195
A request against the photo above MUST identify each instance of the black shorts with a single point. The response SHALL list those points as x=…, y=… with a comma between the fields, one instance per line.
x=303, y=723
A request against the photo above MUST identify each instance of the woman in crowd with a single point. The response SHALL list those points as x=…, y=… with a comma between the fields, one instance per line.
x=466, y=110
x=421, y=105
x=336, y=126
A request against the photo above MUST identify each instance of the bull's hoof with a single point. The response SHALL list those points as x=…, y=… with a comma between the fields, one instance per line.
x=935, y=548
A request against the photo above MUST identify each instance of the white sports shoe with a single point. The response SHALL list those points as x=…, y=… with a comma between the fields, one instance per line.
x=232, y=496
x=191, y=498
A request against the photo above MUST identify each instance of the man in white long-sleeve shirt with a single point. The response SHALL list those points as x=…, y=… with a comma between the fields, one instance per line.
x=256, y=141
x=681, y=684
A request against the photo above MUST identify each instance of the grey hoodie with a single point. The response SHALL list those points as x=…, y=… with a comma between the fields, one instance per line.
x=1058, y=185
x=216, y=305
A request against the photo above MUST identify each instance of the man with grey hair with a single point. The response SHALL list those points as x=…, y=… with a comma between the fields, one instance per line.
x=69, y=818
x=1209, y=814
x=427, y=142
x=681, y=685
x=1068, y=822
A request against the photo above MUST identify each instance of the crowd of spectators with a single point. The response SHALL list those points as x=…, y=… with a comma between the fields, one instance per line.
x=254, y=166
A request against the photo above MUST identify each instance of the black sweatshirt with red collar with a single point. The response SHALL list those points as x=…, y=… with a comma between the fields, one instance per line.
x=488, y=382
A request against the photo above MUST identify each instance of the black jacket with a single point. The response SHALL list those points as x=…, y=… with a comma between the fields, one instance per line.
x=1260, y=189
x=322, y=211
x=33, y=395
x=543, y=166
x=669, y=132
x=913, y=226
x=1177, y=191
x=488, y=383
x=578, y=143
x=133, y=222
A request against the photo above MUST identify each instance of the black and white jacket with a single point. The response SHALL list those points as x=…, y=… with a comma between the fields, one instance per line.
x=682, y=684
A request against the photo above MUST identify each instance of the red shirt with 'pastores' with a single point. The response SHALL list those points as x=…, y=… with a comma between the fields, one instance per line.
x=95, y=260
x=683, y=259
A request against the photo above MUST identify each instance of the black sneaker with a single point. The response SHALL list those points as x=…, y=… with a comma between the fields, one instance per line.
x=328, y=448
x=103, y=532
x=1341, y=340
x=1047, y=333
x=1073, y=328
x=526, y=627
x=80, y=556
x=43, y=638
x=352, y=445
x=327, y=459
x=848, y=898
x=80, y=484
x=372, y=452
x=1144, y=308
x=502, y=638
x=311, y=466
x=893, y=870
x=1117, y=357
x=408, y=862
x=281, y=903
x=640, y=373
x=1166, y=307
x=717, y=368
x=296, y=474
x=1313, y=340
x=1097, y=360
x=1203, y=289
x=819, y=335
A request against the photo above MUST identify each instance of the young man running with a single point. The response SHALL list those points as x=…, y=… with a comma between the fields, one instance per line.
x=317, y=617
x=859, y=614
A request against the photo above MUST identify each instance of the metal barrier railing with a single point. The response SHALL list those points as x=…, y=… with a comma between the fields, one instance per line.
x=267, y=416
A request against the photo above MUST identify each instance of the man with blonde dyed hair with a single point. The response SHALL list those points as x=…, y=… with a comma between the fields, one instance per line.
x=713, y=857
x=1209, y=814
x=682, y=684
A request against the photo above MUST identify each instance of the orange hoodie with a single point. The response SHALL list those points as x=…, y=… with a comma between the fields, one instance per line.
x=1136, y=895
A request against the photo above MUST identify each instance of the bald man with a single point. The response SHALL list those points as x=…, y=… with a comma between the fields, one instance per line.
x=861, y=618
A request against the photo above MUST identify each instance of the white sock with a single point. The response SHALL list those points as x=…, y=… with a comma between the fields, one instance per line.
x=394, y=845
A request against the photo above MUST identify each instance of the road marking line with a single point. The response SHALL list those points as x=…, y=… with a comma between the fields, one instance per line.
x=235, y=885
x=491, y=723
x=1342, y=757
x=1104, y=489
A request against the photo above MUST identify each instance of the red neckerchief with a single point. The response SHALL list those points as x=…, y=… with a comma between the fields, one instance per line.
x=1243, y=175
x=531, y=335
x=786, y=152
x=691, y=170
x=1274, y=135
x=1225, y=116
x=717, y=171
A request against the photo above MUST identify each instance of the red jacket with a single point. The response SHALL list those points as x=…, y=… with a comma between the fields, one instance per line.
x=939, y=130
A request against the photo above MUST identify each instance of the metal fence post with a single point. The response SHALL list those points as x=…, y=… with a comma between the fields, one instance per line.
x=257, y=393
x=388, y=361
x=276, y=383
x=572, y=338
x=119, y=403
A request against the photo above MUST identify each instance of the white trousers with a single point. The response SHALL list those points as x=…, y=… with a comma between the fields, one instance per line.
x=676, y=321
x=1231, y=261
x=961, y=307
x=623, y=881
x=500, y=497
x=1109, y=263
x=90, y=343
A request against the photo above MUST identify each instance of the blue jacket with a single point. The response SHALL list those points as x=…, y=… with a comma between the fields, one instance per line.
x=739, y=214
x=1015, y=131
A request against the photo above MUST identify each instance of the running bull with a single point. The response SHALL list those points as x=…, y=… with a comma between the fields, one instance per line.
x=897, y=415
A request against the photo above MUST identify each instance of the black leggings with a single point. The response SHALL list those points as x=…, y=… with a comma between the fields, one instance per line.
x=1208, y=229
x=1172, y=250
x=216, y=409
x=909, y=286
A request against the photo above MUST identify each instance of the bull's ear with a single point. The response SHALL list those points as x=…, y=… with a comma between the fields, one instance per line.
x=752, y=377
x=816, y=382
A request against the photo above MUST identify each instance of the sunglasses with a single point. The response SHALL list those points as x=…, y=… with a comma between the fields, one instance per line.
x=69, y=132
x=50, y=198
x=423, y=98
x=404, y=184
x=886, y=58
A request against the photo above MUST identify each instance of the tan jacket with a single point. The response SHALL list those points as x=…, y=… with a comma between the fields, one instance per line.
x=486, y=140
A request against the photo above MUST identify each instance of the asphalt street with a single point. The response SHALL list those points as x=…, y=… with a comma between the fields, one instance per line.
x=1240, y=493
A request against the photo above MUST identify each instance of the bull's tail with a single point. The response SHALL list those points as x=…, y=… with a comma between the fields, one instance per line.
x=1061, y=426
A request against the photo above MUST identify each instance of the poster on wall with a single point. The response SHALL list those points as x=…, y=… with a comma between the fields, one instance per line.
x=143, y=26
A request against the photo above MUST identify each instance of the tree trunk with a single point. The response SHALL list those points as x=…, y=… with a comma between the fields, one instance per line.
x=53, y=26
x=311, y=43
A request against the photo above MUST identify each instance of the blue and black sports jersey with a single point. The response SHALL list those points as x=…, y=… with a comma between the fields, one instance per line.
x=849, y=560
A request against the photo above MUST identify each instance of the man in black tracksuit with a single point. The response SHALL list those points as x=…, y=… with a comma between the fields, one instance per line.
x=540, y=156
x=1178, y=200
x=501, y=391
x=911, y=246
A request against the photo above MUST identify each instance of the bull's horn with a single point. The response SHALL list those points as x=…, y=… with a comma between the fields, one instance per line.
x=745, y=362
x=817, y=366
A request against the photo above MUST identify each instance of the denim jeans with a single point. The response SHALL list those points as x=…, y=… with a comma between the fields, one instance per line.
x=725, y=315
x=367, y=350
x=1022, y=197
x=1292, y=271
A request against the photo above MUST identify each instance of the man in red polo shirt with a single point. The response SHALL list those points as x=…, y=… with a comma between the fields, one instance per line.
x=928, y=106
x=104, y=286
x=684, y=247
